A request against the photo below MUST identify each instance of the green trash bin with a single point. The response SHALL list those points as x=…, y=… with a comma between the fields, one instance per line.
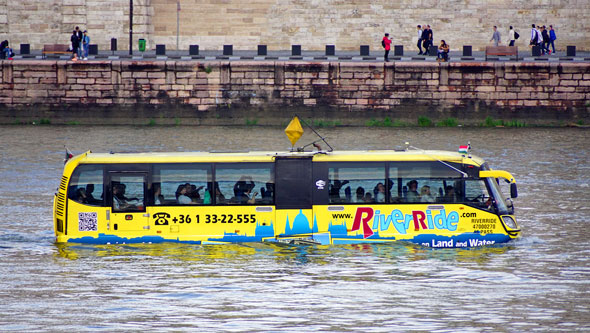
x=141, y=45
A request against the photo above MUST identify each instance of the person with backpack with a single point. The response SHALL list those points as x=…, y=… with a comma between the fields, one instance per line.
x=511, y=36
x=534, y=36
x=386, y=43
x=6, y=51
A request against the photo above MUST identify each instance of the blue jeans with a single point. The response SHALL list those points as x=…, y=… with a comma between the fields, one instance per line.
x=86, y=50
x=552, y=45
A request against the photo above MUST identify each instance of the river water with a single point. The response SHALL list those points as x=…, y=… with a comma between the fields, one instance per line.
x=539, y=282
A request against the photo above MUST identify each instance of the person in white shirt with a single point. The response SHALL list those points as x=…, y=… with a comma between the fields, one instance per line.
x=420, y=40
x=511, y=38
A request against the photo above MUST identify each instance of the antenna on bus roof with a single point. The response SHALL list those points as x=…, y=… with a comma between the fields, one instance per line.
x=315, y=143
x=464, y=174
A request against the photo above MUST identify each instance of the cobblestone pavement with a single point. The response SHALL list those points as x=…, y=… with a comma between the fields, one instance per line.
x=374, y=56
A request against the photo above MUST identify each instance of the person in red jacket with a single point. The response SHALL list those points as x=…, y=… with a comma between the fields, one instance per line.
x=387, y=45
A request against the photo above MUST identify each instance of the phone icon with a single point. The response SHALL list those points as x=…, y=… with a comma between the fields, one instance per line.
x=161, y=218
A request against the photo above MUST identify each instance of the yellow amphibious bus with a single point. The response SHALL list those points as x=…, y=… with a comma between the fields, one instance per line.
x=431, y=198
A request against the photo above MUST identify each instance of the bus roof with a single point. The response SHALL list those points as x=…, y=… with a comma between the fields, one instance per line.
x=265, y=156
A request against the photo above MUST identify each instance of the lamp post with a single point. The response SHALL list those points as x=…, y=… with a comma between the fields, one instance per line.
x=130, y=27
x=177, y=23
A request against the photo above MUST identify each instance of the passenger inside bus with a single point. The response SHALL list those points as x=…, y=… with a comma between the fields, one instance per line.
x=120, y=202
x=89, y=197
x=81, y=196
x=219, y=197
x=379, y=192
x=158, y=197
x=267, y=193
x=181, y=197
x=360, y=195
x=412, y=195
x=246, y=197
x=369, y=198
x=449, y=195
x=425, y=195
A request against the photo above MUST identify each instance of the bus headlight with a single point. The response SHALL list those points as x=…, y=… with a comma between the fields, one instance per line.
x=509, y=222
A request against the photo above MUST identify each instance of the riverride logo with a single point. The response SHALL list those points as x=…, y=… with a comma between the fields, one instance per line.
x=425, y=220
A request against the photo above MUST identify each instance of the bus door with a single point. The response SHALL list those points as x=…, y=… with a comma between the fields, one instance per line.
x=294, y=215
x=127, y=199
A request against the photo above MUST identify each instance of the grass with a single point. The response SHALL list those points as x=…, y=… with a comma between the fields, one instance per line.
x=448, y=122
x=491, y=122
x=326, y=123
x=73, y=122
x=251, y=122
x=152, y=122
x=424, y=121
x=176, y=121
x=208, y=69
x=44, y=121
x=580, y=122
x=386, y=122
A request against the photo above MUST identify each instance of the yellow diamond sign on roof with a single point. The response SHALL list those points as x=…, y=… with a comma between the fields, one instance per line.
x=294, y=131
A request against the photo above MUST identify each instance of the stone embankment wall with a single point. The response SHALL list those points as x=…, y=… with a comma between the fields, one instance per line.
x=191, y=92
x=281, y=23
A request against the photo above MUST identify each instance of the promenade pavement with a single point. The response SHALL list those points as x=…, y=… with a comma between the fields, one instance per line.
x=525, y=54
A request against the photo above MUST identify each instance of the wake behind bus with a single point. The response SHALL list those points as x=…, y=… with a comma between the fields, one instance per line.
x=433, y=198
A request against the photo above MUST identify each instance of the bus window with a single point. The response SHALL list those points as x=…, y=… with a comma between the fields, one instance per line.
x=244, y=183
x=86, y=185
x=182, y=184
x=357, y=183
x=128, y=192
x=476, y=194
x=427, y=182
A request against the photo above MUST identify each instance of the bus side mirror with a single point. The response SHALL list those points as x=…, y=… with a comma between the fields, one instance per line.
x=513, y=191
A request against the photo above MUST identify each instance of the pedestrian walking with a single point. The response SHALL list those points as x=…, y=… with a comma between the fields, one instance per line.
x=511, y=37
x=426, y=38
x=75, y=44
x=386, y=42
x=552, y=37
x=85, y=44
x=80, y=36
x=533, y=36
x=419, y=39
x=546, y=40
x=496, y=36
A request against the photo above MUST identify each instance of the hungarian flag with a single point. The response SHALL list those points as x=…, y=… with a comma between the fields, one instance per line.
x=463, y=149
x=69, y=155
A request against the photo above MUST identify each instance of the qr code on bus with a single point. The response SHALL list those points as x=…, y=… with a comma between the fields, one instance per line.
x=87, y=222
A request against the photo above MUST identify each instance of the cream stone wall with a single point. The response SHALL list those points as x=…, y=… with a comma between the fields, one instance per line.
x=280, y=23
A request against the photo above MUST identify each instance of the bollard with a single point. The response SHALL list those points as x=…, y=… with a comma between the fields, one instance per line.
x=536, y=51
x=228, y=50
x=160, y=49
x=295, y=50
x=571, y=51
x=398, y=50
x=193, y=50
x=93, y=49
x=262, y=50
x=365, y=50
x=467, y=51
x=330, y=50
x=113, y=44
x=25, y=49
